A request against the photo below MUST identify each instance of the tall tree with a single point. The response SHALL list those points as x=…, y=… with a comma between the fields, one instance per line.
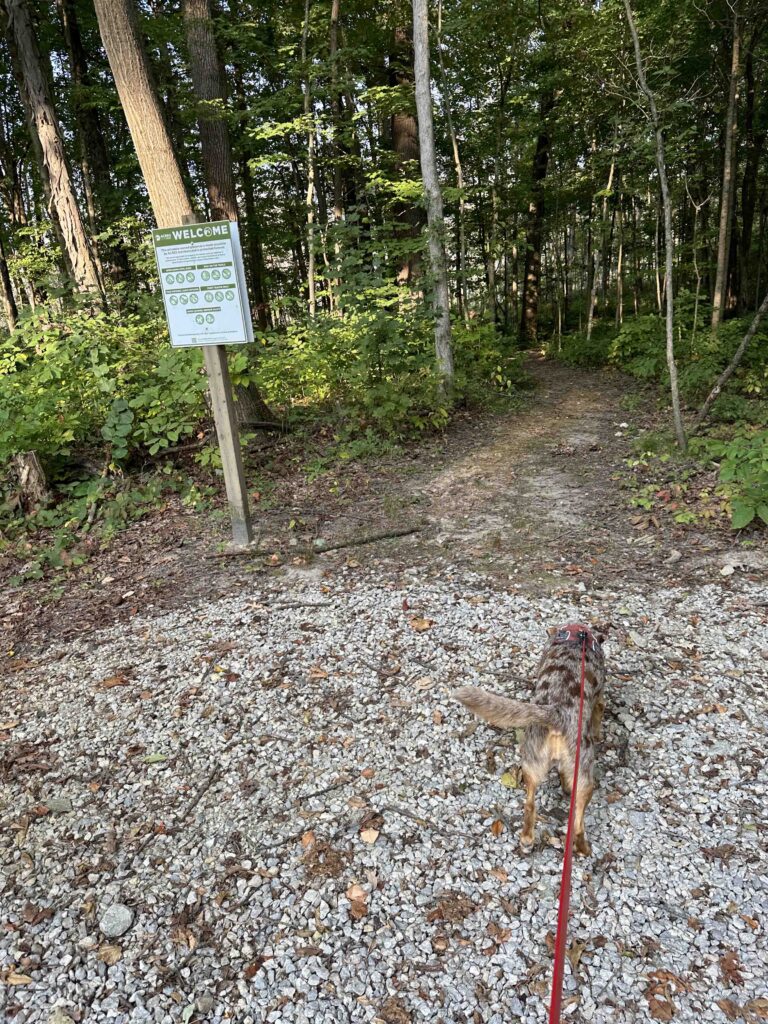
x=529, y=323
x=729, y=178
x=661, y=167
x=119, y=28
x=434, y=197
x=48, y=143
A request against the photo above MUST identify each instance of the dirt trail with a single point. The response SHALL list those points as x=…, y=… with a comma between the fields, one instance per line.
x=533, y=495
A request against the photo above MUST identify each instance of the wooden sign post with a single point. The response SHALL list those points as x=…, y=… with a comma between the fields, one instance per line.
x=206, y=304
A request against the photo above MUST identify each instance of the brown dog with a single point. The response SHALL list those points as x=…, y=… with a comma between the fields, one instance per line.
x=551, y=721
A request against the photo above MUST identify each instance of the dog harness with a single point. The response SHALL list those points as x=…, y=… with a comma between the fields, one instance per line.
x=574, y=634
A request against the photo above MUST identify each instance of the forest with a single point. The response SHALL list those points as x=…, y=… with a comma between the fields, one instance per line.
x=424, y=194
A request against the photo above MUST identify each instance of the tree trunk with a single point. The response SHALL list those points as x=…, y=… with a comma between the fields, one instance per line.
x=754, y=139
x=602, y=254
x=48, y=143
x=435, y=222
x=461, y=247
x=210, y=91
x=529, y=323
x=7, y=300
x=310, y=196
x=729, y=179
x=409, y=218
x=661, y=168
x=119, y=28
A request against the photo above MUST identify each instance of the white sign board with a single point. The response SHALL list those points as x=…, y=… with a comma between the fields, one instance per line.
x=203, y=284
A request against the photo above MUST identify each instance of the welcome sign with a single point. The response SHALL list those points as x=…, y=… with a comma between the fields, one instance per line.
x=203, y=284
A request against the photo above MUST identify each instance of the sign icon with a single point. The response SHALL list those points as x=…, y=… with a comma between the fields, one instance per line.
x=219, y=296
x=173, y=300
x=179, y=279
x=169, y=279
x=193, y=298
x=183, y=299
x=206, y=275
x=190, y=277
x=229, y=296
x=209, y=318
x=209, y=296
x=199, y=319
x=226, y=273
x=215, y=275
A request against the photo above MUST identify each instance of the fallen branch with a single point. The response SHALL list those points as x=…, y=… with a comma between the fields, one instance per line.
x=321, y=546
x=424, y=822
x=714, y=394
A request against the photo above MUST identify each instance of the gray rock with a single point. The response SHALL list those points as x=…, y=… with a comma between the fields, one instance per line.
x=116, y=920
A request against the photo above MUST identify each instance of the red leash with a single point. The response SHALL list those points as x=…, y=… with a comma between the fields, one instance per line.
x=565, y=881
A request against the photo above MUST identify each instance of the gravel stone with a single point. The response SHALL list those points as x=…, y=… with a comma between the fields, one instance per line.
x=116, y=920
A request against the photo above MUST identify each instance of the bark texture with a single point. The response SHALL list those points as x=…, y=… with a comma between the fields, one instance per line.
x=48, y=144
x=666, y=201
x=435, y=221
x=729, y=180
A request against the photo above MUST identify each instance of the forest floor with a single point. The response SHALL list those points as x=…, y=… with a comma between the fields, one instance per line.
x=235, y=788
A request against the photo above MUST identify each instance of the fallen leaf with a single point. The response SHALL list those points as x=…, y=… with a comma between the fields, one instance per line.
x=437, y=717
x=308, y=839
x=758, y=1007
x=369, y=835
x=730, y=968
x=13, y=978
x=368, y=773
x=253, y=968
x=574, y=953
x=317, y=673
x=112, y=681
x=109, y=954
x=731, y=1010
x=500, y=874
x=187, y=1013
x=10, y=724
x=155, y=759
x=510, y=780
x=393, y=1011
x=497, y=828
x=424, y=683
x=358, y=901
x=420, y=624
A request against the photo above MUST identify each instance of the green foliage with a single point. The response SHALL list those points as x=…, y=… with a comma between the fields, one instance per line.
x=577, y=350
x=72, y=378
x=743, y=461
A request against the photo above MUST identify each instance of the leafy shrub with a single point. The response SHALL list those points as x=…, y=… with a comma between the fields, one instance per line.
x=577, y=350
x=78, y=378
x=743, y=472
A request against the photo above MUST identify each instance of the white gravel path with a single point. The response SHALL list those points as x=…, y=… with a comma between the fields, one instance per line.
x=217, y=785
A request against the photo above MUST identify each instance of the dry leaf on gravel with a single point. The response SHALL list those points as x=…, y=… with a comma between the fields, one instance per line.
x=420, y=624
x=358, y=901
x=369, y=835
x=14, y=978
x=497, y=827
x=109, y=954
x=731, y=1010
x=111, y=681
x=730, y=968
x=393, y=1011
x=317, y=673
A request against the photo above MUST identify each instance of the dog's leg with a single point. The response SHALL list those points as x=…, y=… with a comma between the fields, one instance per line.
x=584, y=793
x=597, y=720
x=532, y=778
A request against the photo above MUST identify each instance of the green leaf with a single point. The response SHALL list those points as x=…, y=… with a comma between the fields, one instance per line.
x=155, y=759
x=742, y=514
x=762, y=511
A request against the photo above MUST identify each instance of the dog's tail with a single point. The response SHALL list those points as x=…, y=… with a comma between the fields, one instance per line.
x=505, y=712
